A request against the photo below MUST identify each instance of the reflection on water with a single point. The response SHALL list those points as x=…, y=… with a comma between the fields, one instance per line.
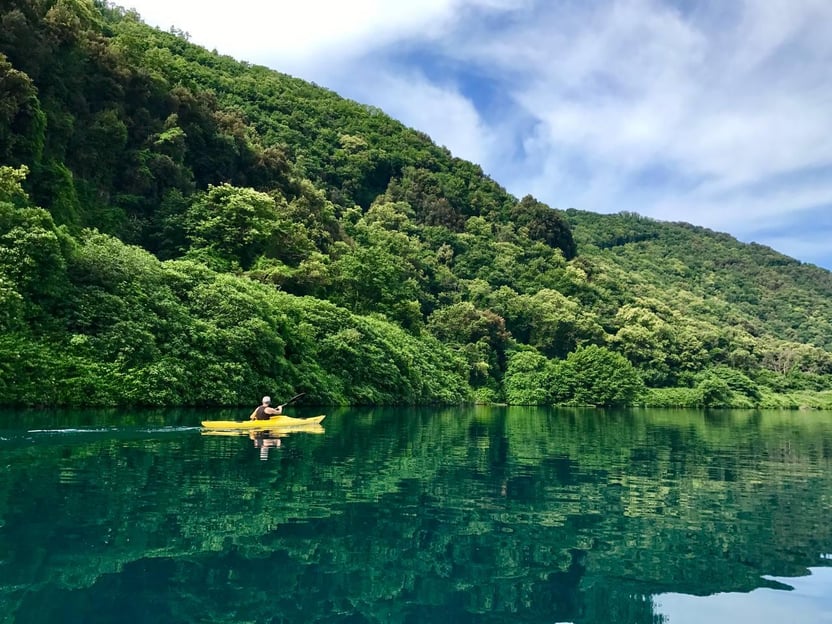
x=265, y=440
x=393, y=515
x=808, y=599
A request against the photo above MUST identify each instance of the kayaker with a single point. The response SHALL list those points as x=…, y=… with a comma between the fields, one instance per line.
x=265, y=410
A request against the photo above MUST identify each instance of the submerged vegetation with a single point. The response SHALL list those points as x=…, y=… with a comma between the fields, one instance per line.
x=178, y=228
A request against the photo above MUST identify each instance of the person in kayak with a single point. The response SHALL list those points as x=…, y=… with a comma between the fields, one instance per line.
x=265, y=410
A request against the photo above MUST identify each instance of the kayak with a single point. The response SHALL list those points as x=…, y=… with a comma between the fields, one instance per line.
x=275, y=422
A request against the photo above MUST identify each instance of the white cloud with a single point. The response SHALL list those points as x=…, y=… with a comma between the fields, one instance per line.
x=295, y=31
x=641, y=87
x=308, y=32
x=452, y=119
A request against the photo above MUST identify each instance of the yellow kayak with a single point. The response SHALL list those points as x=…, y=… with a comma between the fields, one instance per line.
x=275, y=422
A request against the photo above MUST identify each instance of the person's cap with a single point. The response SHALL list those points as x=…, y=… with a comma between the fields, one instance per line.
x=267, y=400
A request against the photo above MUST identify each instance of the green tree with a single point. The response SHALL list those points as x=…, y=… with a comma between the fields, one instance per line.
x=544, y=224
x=531, y=379
x=656, y=340
x=598, y=376
x=11, y=185
x=422, y=190
x=230, y=226
x=32, y=250
x=722, y=386
x=547, y=320
x=22, y=121
x=715, y=391
x=480, y=334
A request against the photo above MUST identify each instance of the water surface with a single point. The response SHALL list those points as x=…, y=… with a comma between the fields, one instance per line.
x=402, y=515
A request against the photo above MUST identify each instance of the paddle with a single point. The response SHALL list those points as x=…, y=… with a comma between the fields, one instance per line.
x=292, y=400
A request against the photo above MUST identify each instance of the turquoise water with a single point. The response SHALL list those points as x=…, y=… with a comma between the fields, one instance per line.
x=402, y=515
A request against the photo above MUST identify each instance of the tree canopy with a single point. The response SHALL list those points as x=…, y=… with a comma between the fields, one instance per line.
x=178, y=226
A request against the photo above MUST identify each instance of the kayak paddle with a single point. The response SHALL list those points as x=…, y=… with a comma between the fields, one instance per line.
x=292, y=400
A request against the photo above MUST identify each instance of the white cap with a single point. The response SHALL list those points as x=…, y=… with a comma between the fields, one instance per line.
x=266, y=400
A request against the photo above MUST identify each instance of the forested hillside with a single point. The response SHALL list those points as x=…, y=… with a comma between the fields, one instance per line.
x=179, y=227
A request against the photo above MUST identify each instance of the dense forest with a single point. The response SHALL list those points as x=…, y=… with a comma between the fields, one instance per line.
x=182, y=228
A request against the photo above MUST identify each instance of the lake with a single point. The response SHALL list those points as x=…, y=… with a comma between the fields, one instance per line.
x=475, y=514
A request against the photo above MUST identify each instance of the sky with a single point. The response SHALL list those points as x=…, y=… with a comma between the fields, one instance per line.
x=713, y=113
x=799, y=599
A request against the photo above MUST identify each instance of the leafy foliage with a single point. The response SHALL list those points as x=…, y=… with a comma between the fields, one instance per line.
x=595, y=375
x=253, y=187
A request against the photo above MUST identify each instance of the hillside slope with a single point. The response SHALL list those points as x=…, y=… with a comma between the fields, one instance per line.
x=774, y=294
x=250, y=186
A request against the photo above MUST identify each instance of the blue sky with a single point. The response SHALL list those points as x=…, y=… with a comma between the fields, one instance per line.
x=714, y=113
